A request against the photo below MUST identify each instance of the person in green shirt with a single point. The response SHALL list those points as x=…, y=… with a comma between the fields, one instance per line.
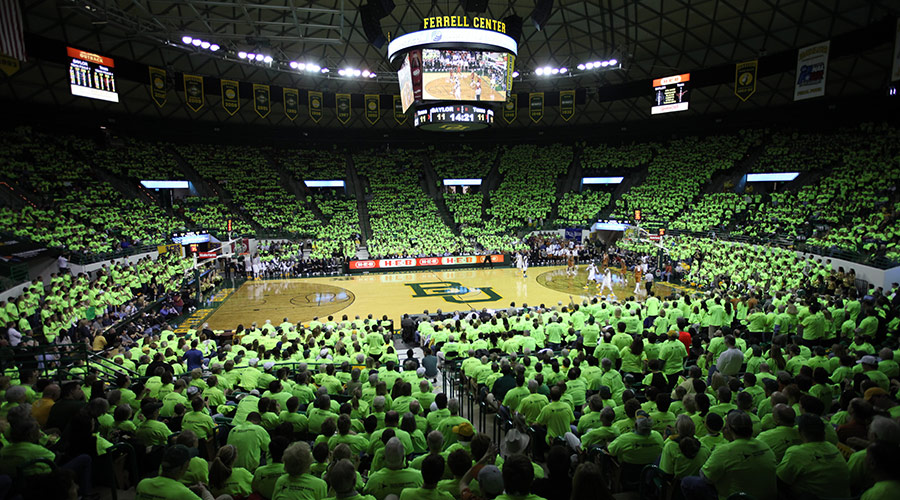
x=641, y=447
x=393, y=478
x=265, y=476
x=342, y=478
x=225, y=478
x=518, y=475
x=881, y=459
x=251, y=439
x=24, y=435
x=682, y=454
x=152, y=432
x=815, y=467
x=744, y=464
x=198, y=420
x=167, y=485
x=784, y=435
x=297, y=483
x=556, y=416
x=432, y=471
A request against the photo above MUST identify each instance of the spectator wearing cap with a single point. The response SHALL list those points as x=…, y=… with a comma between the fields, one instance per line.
x=174, y=464
x=870, y=368
x=815, y=467
x=251, y=439
x=393, y=478
x=641, y=447
x=297, y=483
x=152, y=432
x=432, y=470
x=745, y=465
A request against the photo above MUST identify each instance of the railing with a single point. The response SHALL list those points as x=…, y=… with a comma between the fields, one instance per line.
x=50, y=361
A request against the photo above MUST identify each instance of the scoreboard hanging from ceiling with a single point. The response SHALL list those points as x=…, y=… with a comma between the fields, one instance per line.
x=670, y=94
x=91, y=75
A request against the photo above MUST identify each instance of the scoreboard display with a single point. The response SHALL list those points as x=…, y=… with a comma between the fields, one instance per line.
x=670, y=94
x=453, y=118
x=91, y=75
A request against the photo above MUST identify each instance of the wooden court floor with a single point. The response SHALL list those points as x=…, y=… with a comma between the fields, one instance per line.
x=302, y=299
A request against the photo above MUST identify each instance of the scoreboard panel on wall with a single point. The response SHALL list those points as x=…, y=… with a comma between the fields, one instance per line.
x=670, y=94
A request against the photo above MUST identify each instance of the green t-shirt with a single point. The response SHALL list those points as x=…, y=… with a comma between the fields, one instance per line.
x=675, y=463
x=556, y=416
x=250, y=439
x=199, y=422
x=881, y=490
x=815, y=468
x=746, y=465
x=197, y=472
x=15, y=454
x=634, y=448
x=152, y=433
x=301, y=487
x=425, y=494
x=355, y=497
x=163, y=488
x=238, y=483
x=265, y=477
x=383, y=482
x=779, y=439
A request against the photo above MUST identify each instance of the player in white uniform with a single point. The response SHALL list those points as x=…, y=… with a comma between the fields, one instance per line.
x=607, y=282
x=524, y=256
x=457, y=90
x=592, y=275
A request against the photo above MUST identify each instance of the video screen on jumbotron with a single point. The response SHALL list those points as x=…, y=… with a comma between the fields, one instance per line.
x=91, y=75
x=406, y=84
x=464, y=75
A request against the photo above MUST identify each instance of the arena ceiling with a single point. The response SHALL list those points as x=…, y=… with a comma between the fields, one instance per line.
x=652, y=38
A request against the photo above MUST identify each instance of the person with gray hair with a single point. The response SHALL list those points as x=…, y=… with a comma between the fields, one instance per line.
x=15, y=396
x=297, y=482
x=393, y=478
x=881, y=430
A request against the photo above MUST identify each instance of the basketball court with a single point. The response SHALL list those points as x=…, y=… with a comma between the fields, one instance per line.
x=394, y=294
x=437, y=86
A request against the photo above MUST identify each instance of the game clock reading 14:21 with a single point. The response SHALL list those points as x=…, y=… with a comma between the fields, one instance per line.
x=453, y=118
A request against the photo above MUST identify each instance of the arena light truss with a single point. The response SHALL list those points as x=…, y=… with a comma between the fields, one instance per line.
x=586, y=68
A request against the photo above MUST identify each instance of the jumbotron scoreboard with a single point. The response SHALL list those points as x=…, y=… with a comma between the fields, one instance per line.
x=451, y=71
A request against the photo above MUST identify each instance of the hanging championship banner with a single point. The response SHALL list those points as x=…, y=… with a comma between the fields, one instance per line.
x=510, y=108
x=158, y=86
x=399, y=115
x=510, y=68
x=745, y=79
x=193, y=92
x=373, y=108
x=9, y=65
x=536, y=106
x=262, y=102
x=342, y=104
x=812, y=67
x=291, y=103
x=567, y=104
x=315, y=105
x=231, y=98
x=895, y=70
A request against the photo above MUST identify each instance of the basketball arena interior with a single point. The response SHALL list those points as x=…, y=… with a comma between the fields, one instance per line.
x=449, y=250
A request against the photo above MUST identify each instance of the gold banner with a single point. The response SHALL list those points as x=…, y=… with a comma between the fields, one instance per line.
x=291, y=103
x=567, y=104
x=262, y=101
x=536, y=106
x=158, y=87
x=399, y=115
x=231, y=96
x=373, y=108
x=315, y=105
x=342, y=105
x=745, y=79
x=510, y=67
x=193, y=92
x=510, y=108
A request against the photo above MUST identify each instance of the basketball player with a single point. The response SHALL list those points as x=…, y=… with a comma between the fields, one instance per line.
x=522, y=263
x=570, y=264
x=607, y=282
x=457, y=90
x=638, y=274
x=478, y=90
x=593, y=276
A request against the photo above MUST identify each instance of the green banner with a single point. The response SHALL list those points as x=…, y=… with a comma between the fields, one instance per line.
x=262, y=101
x=536, y=106
x=567, y=104
x=342, y=105
x=193, y=92
x=399, y=115
x=291, y=103
x=510, y=108
x=745, y=79
x=373, y=108
x=158, y=86
x=231, y=97
x=315, y=105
